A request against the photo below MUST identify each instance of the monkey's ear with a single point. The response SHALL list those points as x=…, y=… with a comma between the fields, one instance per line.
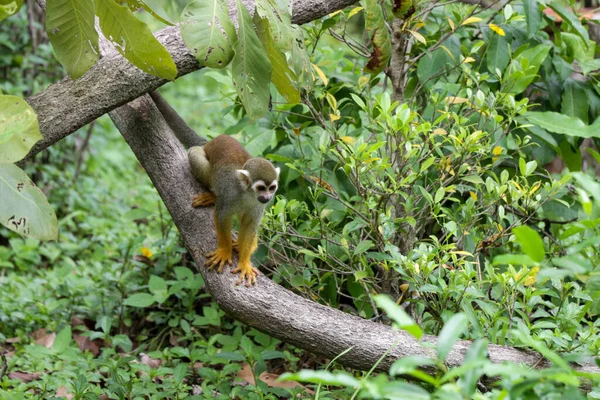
x=243, y=176
x=277, y=170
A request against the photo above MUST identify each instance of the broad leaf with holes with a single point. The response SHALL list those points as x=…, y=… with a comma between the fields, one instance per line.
x=250, y=67
x=19, y=129
x=280, y=22
x=24, y=209
x=380, y=37
x=70, y=27
x=208, y=32
x=134, y=40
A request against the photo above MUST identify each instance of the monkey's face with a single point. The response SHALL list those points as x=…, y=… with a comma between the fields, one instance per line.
x=264, y=191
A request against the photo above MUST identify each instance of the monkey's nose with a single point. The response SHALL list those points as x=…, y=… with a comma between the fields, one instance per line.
x=264, y=199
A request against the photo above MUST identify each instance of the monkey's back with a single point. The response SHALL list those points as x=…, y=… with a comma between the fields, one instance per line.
x=225, y=151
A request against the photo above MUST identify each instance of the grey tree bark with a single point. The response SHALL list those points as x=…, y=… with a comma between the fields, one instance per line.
x=268, y=306
x=114, y=81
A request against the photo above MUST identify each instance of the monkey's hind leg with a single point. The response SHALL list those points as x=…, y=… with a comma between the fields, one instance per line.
x=222, y=255
x=246, y=245
x=206, y=199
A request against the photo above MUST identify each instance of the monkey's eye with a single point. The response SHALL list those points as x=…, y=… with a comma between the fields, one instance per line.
x=272, y=188
x=261, y=188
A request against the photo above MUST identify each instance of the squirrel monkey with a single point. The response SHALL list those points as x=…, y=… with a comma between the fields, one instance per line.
x=238, y=185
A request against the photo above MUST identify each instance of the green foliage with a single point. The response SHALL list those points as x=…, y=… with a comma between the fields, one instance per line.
x=9, y=7
x=24, y=209
x=250, y=67
x=208, y=32
x=70, y=27
x=134, y=40
x=19, y=129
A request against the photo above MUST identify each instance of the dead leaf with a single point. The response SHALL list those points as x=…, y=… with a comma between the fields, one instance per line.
x=151, y=362
x=76, y=321
x=43, y=338
x=24, y=376
x=197, y=366
x=64, y=392
x=85, y=343
x=269, y=378
x=13, y=340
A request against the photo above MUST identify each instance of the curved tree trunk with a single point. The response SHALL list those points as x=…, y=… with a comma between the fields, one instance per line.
x=267, y=306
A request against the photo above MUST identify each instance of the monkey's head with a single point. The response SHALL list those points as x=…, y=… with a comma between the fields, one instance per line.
x=259, y=176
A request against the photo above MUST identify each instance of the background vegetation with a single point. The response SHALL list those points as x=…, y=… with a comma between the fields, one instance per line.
x=425, y=181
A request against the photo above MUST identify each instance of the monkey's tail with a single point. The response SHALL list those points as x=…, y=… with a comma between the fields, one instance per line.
x=184, y=133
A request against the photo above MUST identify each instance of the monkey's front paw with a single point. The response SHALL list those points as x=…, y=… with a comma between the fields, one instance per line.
x=247, y=272
x=204, y=200
x=218, y=258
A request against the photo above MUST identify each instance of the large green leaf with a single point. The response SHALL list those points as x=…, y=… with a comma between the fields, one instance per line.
x=208, y=32
x=531, y=242
x=560, y=123
x=134, y=40
x=9, y=7
x=574, y=101
x=570, y=19
x=250, y=67
x=24, y=209
x=533, y=16
x=283, y=77
x=497, y=56
x=70, y=27
x=19, y=129
x=380, y=37
x=525, y=68
x=280, y=22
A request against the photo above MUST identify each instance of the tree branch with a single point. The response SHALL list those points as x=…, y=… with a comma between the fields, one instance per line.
x=114, y=81
x=268, y=306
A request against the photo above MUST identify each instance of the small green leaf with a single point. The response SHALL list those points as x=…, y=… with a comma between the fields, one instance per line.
x=338, y=378
x=179, y=372
x=70, y=27
x=250, y=67
x=363, y=246
x=134, y=40
x=208, y=32
x=139, y=300
x=19, y=129
x=25, y=209
x=63, y=340
x=450, y=333
x=396, y=313
x=157, y=284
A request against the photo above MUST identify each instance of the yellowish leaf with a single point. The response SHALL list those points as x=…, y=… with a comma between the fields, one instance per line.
x=456, y=100
x=497, y=150
x=321, y=75
x=334, y=117
x=362, y=81
x=469, y=60
x=333, y=14
x=354, y=11
x=370, y=160
x=331, y=100
x=440, y=131
x=449, y=53
x=451, y=23
x=418, y=36
x=473, y=195
x=348, y=139
x=532, y=276
x=462, y=253
x=470, y=20
x=497, y=29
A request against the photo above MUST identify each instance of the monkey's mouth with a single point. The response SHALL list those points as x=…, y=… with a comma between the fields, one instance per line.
x=264, y=199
